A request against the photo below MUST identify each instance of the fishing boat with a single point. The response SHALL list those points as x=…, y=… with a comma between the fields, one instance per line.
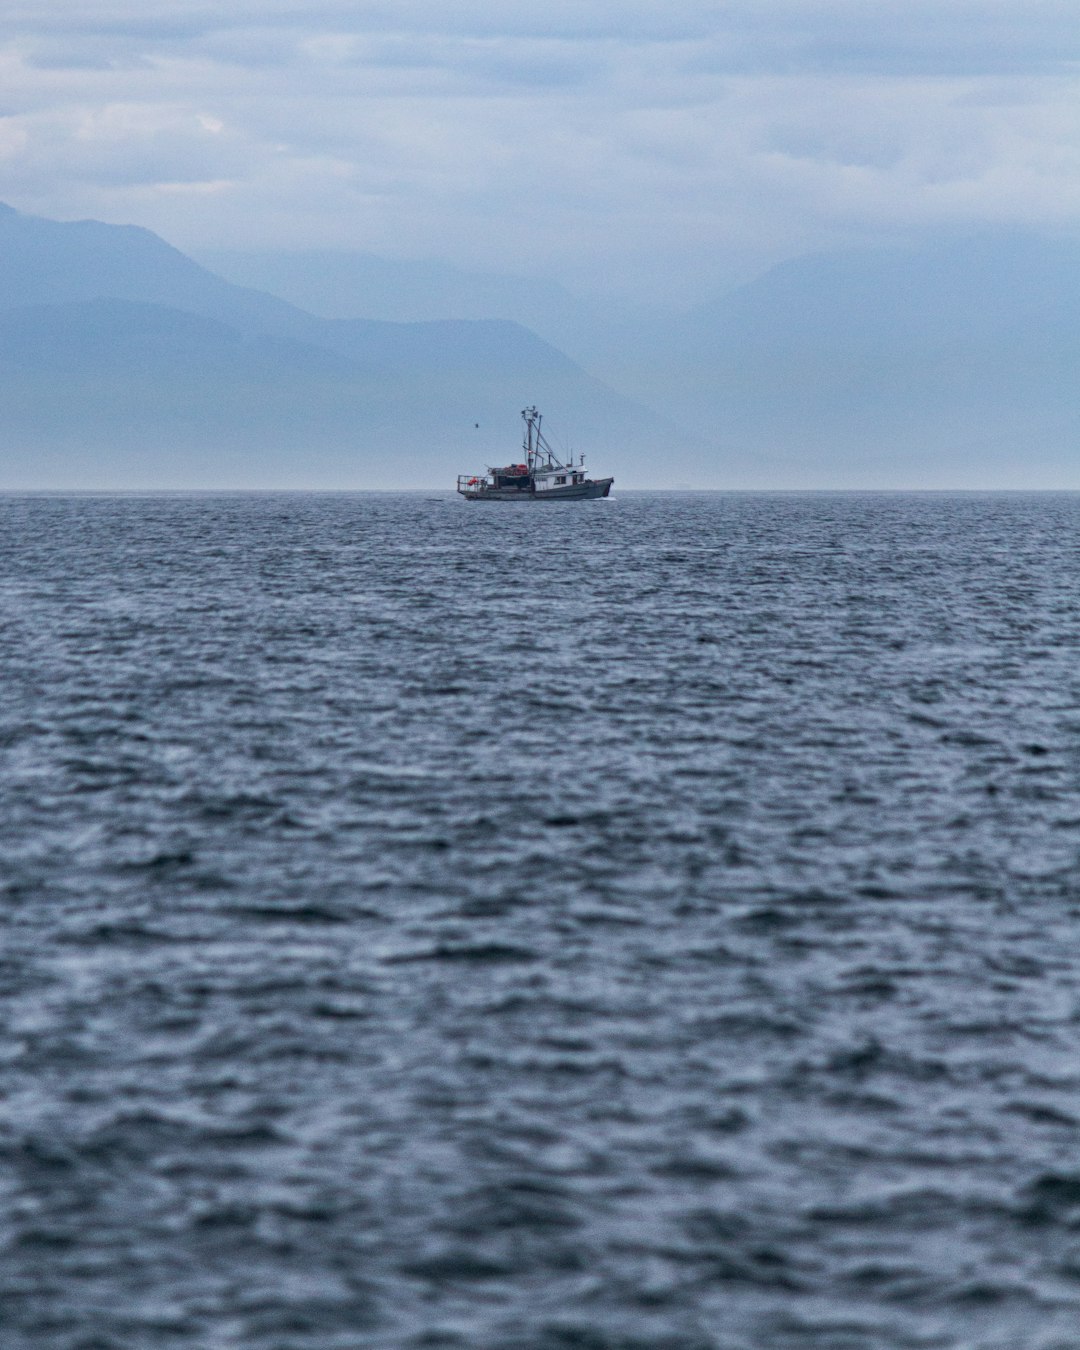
x=541, y=477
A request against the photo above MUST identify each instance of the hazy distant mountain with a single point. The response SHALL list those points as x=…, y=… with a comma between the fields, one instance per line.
x=124, y=362
x=349, y=285
x=340, y=284
x=51, y=262
x=951, y=362
x=954, y=362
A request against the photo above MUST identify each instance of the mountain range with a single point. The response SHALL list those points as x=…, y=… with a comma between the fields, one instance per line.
x=125, y=363
x=951, y=362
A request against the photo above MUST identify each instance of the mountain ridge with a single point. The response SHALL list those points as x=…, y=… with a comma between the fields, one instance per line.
x=950, y=362
x=97, y=341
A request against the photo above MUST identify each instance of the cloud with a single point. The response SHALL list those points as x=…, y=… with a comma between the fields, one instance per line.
x=970, y=37
x=628, y=146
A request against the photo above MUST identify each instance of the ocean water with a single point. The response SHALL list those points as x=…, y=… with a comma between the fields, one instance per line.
x=641, y=923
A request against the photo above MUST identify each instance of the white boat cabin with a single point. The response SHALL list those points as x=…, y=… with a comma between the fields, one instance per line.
x=558, y=476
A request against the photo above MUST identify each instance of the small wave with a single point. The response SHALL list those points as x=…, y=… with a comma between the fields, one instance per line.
x=1051, y=1199
x=480, y=953
x=294, y=914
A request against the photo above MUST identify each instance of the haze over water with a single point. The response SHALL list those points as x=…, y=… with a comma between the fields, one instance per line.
x=642, y=923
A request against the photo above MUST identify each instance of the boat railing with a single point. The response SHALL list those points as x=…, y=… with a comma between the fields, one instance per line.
x=472, y=483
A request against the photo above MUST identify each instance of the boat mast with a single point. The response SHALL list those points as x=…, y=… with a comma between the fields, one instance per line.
x=532, y=417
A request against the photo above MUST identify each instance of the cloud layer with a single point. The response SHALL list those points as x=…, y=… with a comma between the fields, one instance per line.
x=627, y=146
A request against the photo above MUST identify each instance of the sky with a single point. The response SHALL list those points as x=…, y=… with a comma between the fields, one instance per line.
x=633, y=149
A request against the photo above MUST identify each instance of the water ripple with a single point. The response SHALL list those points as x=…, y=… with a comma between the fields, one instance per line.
x=650, y=924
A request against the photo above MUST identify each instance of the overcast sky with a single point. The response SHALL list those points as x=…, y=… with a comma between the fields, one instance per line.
x=629, y=145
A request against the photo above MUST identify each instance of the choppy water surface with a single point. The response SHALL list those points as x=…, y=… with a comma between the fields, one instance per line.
x=643, y=923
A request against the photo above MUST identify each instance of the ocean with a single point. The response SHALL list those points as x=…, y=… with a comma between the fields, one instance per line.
x=652, y=922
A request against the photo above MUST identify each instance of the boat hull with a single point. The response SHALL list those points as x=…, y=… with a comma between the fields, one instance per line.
x=598, y=487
